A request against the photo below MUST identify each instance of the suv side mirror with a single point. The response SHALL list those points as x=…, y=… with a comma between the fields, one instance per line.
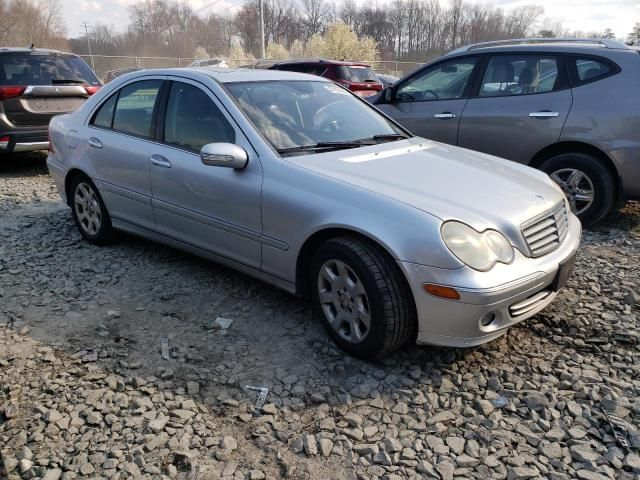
x=386, y=95
x=224, y=155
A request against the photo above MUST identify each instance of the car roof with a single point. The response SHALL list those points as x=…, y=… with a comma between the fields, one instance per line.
x=321, y=60
x=32, y=50
x=233, y=75
x=571, y=45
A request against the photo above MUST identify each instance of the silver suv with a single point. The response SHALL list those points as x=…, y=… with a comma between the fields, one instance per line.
x=568, y=107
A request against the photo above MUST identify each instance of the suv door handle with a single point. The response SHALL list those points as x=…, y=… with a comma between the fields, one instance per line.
x=160, y=161
x=445, y=115
x=94, y=142
x=545, y=114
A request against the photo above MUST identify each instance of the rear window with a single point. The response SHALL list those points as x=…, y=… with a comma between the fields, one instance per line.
x=36, y=68
x=356, y=74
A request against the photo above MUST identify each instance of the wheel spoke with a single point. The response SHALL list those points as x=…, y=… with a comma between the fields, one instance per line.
x=583, y=196
x=556, y=178
x=343, y=273
x=327, y=297
x=328, y=275
x=575, y=178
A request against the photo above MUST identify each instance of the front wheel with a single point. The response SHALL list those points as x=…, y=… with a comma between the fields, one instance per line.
x=589, y=185
x=362, y=297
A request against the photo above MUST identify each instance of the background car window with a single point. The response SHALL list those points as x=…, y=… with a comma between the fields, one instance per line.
x=104, y=115
x=588, y=69
x=519, y=75
x=356, y=73
x=134, y=110
x=193, y=120
x=445, y=81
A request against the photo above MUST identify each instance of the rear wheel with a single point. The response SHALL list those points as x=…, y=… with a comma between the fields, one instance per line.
x=589, y=185
x=89, y=212
x=362, y=297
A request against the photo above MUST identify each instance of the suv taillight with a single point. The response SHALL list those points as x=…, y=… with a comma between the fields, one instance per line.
x=10, y=92
x=91, y=89
x=4, y=142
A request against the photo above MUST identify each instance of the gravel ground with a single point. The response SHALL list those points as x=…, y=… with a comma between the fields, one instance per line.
x=85, y=392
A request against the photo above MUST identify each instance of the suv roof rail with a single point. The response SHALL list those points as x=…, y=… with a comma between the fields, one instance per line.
x=604, y=42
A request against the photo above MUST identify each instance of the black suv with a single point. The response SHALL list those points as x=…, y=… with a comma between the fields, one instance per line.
x=35, y=85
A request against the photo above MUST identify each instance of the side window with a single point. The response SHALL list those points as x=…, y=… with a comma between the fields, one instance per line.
x=442, y=82
x=588, y=69
x=134, y=110
x=104, y=116
x=296, y=67
x=193, y=120
x=519, y=75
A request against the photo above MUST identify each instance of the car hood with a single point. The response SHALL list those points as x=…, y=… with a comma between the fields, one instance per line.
x=445, y=181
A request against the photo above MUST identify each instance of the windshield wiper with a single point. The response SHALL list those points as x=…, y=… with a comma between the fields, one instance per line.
x=60, y=81
x=390, y=136
x=328, y=146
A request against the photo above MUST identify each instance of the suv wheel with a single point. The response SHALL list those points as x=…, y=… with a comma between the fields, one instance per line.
x=89, y=212
x=362, y=298
x=588, y=184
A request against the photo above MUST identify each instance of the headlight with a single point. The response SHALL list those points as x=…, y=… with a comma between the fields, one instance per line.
x=480, y=251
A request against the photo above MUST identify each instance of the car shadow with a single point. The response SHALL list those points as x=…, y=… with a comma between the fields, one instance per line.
x=25, y=164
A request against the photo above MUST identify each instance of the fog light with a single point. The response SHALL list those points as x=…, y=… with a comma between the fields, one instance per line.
x=487, y=319
x=442, y=292
x=4, y=142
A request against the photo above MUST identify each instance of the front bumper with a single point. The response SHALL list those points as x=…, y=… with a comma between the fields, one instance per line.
x=490, y=302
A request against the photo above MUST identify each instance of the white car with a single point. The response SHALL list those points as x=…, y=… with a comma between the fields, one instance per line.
x=210, y=62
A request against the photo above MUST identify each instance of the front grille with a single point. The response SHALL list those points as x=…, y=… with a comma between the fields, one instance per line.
x=545, y=232
x=529, y=304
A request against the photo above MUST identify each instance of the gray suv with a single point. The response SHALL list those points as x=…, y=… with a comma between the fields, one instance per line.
x=568, y=107
x=35, y=85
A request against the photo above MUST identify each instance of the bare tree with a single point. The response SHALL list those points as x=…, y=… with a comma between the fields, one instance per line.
x=316, y=15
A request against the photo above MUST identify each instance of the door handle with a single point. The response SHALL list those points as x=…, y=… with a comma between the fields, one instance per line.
x=94, y=142
x=545, y=114
x=160, y=161
x=445, y=115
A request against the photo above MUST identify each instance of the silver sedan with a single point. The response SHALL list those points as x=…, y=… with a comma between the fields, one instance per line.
x=294, y=180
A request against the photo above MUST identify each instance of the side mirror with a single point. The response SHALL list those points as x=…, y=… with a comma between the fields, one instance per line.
x=224, y=155
x=386, y=95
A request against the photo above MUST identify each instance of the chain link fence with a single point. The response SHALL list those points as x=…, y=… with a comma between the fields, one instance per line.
x=108, y=67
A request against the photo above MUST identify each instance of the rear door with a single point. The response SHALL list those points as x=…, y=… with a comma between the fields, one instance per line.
x=43, y=84
x=519, y=107
x=119, y=140
x=429, y=103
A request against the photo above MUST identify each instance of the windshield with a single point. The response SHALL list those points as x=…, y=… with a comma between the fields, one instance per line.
x=44, y=68
x=293, y=114
x=356, y=74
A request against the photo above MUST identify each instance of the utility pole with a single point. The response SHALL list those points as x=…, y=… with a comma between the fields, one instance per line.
x=262, y=50
x=85, y=24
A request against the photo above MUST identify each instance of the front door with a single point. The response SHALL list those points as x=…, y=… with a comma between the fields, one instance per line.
x=430, y=102
x=214, y=208
x=520, y=107
x=119, y=140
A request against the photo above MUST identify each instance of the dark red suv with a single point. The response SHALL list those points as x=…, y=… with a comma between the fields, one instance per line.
x=357, y=77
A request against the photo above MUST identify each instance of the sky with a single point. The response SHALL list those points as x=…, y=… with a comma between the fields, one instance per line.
x=584, y=15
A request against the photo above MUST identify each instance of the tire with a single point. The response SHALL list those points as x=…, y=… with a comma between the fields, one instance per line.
x=594, y=174
x=89, y=211
x=386, y=297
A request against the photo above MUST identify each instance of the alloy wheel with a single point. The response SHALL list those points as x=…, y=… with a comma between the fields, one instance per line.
x=577, y=186
x=87, y=207
x=344, y=301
